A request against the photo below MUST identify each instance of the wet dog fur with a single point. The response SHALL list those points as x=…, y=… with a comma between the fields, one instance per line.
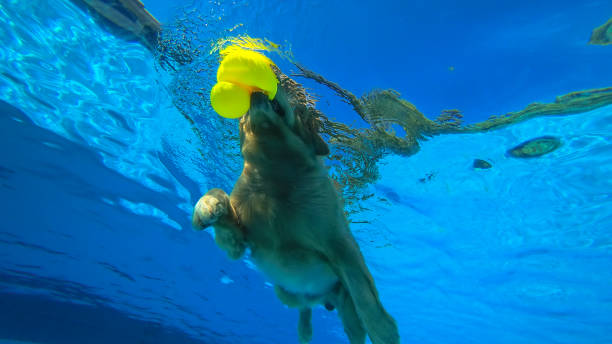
x=285, y=209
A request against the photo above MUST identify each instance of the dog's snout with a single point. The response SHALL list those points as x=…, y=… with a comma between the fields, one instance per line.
x=264, y=111
x=258, y=98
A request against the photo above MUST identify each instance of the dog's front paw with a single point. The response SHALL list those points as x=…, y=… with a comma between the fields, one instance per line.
x=230, y=240
x=208, y=210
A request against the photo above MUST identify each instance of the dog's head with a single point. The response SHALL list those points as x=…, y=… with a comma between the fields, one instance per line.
x=273, y=132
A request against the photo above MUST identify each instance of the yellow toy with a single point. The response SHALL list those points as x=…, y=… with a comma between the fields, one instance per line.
x=241, y=73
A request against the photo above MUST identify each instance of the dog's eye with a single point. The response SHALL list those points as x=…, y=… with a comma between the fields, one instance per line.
x=277, y=108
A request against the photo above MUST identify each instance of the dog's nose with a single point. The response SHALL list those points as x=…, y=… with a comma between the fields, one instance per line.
x=258, y=98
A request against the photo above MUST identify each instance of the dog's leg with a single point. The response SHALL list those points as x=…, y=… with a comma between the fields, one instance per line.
x=347, y=261
x=215, y=209
x=347, y=313
x=305, y=325
x=297, y=301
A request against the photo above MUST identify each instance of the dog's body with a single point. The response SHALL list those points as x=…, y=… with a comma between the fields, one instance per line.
x=285, y=208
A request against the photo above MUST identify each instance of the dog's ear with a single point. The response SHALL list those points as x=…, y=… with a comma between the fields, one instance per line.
x=306, y=128
x=321, y=147
x=313, y=139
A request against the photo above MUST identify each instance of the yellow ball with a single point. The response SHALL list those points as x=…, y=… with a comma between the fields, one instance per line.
x=248, y=68
x=230, y=100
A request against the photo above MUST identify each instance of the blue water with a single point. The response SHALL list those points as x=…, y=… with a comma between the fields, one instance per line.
x=99, y=173
x=505, y=54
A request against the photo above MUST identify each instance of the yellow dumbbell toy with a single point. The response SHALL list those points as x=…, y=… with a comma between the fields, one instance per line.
x=241, y=73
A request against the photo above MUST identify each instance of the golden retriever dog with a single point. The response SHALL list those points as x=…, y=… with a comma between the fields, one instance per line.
x=285, y=209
